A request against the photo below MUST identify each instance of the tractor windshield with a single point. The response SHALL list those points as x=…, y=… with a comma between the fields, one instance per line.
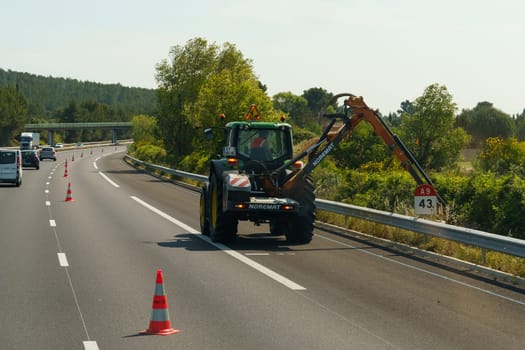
x=263, y=144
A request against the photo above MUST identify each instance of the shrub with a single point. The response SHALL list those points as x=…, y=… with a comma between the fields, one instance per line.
x=384, y=190
x=196, y=162
x=151, y=154
x=502, y=155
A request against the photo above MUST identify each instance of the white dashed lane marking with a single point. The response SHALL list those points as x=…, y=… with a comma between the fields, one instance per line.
x=62, y=259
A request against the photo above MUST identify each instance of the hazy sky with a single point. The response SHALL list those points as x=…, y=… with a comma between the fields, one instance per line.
x=386, y=51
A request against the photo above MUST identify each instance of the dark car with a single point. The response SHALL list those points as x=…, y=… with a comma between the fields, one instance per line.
x=48, y=153
x=30, y=159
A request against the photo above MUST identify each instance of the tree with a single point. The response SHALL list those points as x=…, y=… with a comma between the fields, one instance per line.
x=199, y=82
x=485, y=121
x=296, y=107
x=429, y=131
x=180, y=81
x=145, y=130
x=362, y=148
x=45, y=95
x=392, y=119
x=13, y=114
x=520, y=126
x=406, y=107
x=317, y=99
x=502, y=156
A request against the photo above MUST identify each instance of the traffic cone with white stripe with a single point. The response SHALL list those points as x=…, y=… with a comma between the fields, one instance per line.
x=69, y=196
x=65, y=170
x=160, y=319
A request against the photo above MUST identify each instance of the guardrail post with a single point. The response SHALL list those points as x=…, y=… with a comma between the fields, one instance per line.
x=51, y=137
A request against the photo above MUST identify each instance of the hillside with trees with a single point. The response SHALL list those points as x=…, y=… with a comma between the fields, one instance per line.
x=45, y=95
x=28, y=98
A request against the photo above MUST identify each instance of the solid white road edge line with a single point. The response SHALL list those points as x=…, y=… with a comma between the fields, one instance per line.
x=108, y=179
x=262, y=269
x=62, y=259
x=435, y=274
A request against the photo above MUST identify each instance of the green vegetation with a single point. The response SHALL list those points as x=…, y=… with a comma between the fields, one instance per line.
x=199, y=82
x=13, y=109
x=27, y=98
x=428, y=129
x=47, y=94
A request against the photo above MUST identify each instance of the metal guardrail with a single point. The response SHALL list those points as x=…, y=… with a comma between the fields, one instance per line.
x=484, y=240
x=80, y=125
x=191, y=176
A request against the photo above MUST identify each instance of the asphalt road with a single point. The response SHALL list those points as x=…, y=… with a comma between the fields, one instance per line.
x=81, y=275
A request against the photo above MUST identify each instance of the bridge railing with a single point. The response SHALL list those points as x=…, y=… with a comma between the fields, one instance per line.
x=484, y=240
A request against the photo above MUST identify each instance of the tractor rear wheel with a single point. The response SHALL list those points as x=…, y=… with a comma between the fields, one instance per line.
x=300, y=227
x=223, y=227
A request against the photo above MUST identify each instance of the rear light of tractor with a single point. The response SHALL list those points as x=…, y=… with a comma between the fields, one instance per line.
x=298, y=165
x=286, y=207
x=232, y=162
x=240, y=206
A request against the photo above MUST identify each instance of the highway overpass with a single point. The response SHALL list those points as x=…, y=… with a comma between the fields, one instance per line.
x=51, y=128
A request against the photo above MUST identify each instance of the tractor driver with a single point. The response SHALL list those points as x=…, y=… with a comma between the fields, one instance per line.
x=260, y=140
x=260, y=149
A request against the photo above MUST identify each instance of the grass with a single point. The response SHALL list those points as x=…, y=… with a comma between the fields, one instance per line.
x=495, y=260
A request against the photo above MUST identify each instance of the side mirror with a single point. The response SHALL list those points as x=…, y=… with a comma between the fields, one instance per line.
x=208, y=134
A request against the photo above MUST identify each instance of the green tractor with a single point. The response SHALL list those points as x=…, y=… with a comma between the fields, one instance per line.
x=256, y=154
x=260, y=180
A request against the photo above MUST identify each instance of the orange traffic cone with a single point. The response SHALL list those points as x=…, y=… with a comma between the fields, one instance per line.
x=65, y=170
x=73, y=157
x=69, y=197
x=81, y=154
x=160, y=319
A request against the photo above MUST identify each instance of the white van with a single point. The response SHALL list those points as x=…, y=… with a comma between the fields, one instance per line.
x=11, y=166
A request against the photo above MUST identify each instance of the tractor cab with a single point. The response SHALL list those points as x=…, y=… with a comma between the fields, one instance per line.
x=261, y=142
